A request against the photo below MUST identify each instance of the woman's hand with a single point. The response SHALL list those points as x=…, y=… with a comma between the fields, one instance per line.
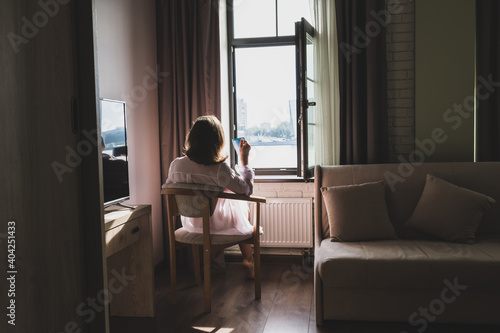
x=244, y=151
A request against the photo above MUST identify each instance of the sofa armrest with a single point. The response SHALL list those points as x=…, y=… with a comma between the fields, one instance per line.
x=318, y=238
x=318, y=200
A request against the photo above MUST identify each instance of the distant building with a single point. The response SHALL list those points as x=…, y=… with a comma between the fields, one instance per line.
x=242, y=117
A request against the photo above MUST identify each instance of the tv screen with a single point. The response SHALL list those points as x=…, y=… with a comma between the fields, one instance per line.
x=114, y=151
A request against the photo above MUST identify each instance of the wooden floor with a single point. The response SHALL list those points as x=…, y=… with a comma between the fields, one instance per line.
x=286, y=306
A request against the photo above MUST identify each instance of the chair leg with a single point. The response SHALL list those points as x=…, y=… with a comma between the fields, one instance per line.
x=196, y=263
x=206, y=258
x=171, y=240
x=206, y=278
x=256, y=251
x=173, y=284
x=256, y=258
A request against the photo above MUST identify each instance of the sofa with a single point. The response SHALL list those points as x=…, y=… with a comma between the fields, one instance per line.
x=413, y=277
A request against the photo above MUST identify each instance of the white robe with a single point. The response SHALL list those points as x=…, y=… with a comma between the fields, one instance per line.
x=230, y=216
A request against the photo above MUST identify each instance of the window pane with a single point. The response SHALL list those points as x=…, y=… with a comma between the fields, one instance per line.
x=311, y=125
x=311, y=110
x=266, y=105
x=289, y=12
x=310, y=56
x=113, y=126
x=254, y=18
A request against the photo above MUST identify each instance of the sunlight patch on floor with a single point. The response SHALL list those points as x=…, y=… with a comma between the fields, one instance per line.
x=214, y=329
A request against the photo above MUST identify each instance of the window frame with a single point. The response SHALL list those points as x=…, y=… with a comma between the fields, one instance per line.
x=302, y=30
x=288, y=40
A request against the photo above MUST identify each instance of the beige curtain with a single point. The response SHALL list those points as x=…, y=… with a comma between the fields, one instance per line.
x=327, y=134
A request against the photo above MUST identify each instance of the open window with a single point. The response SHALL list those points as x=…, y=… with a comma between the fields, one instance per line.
x=304, y=44
x=271, y=89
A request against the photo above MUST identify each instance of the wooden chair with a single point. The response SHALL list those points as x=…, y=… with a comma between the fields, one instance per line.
x=196, y=200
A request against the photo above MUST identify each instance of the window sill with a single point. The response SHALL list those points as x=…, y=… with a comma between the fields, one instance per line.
x=280, y=179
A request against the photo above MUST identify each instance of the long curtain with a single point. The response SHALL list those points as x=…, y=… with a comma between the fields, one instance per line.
x=189, y=61
x=327, y=134
x=189, y=51
x=363, y=82
x=488, y=69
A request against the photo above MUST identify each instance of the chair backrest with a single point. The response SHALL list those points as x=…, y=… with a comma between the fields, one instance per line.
x=192, y=198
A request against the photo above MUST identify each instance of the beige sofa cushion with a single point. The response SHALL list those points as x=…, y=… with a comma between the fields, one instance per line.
x=357, y=212
x=404, y=186
x=409, y=264
x=448, y=211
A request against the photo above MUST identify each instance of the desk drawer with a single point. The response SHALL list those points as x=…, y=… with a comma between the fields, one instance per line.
x=123, y=235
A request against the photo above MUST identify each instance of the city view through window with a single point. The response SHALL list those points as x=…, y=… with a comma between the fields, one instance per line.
x=265, y=80
x=266, y=104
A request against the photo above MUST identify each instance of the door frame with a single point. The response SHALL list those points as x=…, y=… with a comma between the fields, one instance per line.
x=92, y=208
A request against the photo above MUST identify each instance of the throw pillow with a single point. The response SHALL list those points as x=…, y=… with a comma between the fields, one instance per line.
x=357, y=212
x=448, y=211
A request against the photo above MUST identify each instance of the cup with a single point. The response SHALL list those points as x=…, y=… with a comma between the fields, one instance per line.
x=236, y=144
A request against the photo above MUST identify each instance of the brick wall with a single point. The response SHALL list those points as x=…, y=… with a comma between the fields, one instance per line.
x=284, y=190
x=401, y=80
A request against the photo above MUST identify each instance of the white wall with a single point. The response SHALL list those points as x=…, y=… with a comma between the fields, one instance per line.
x=126, y=49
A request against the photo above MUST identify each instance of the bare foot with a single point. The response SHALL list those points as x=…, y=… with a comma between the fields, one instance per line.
x=249, y=264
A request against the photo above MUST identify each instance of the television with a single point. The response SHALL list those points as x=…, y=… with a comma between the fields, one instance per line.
x=114, y=151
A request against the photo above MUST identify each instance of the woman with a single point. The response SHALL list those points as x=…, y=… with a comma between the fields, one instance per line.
x=204, y=163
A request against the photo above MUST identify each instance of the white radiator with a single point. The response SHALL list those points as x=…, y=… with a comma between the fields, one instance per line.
x=287, y=222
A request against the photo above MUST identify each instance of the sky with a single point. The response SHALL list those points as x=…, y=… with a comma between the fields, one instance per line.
x=267, y=98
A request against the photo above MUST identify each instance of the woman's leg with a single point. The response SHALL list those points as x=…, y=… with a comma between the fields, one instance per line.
x=246, y=251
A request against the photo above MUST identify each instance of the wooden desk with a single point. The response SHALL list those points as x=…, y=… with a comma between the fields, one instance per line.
x=129, y=257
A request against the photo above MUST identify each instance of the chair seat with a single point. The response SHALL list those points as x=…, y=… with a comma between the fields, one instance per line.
x=184, y=236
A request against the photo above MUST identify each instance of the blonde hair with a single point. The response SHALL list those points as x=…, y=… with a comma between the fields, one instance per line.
x=205, y=141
